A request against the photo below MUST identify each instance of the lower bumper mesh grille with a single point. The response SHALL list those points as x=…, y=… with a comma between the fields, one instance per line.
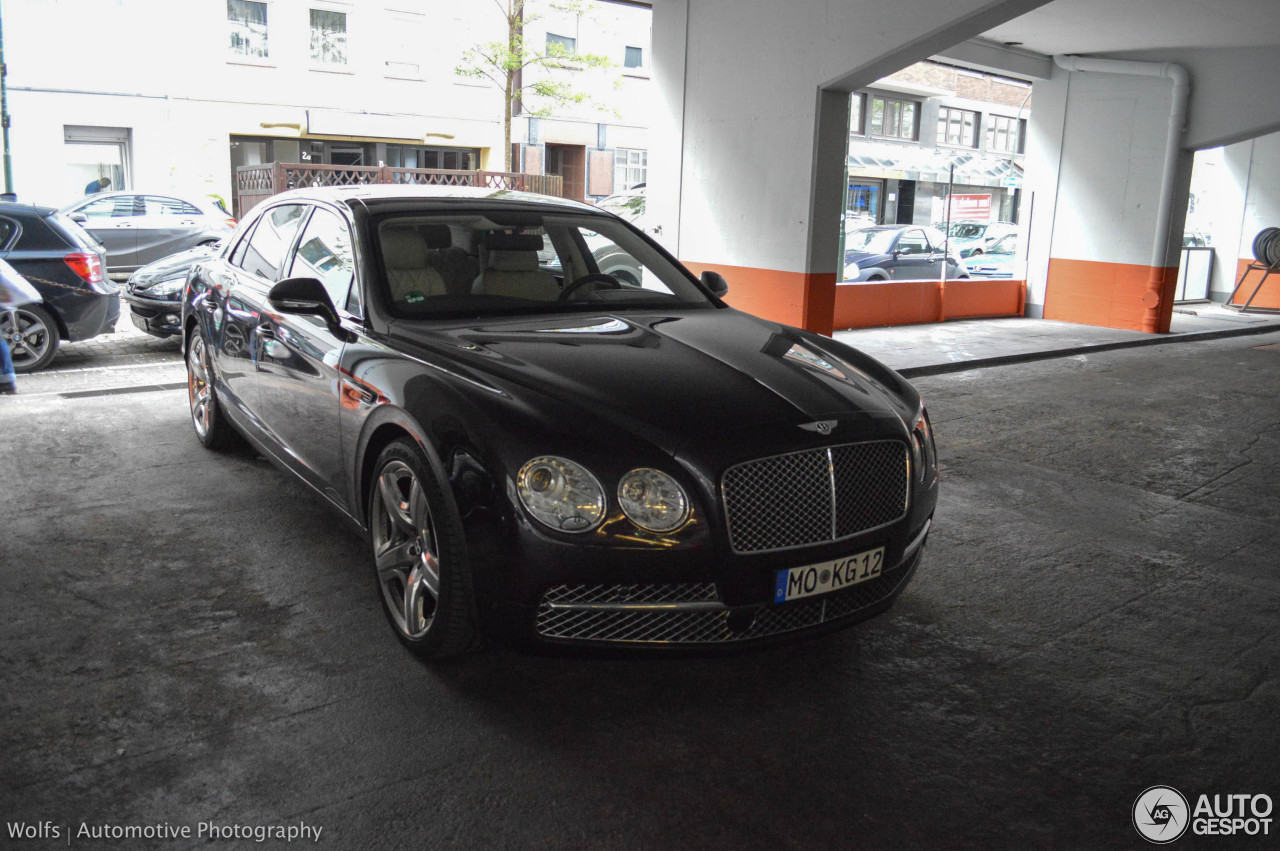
x=693, y=613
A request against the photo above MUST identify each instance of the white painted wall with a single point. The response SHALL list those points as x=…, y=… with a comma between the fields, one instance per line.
x=1234, y=96
x=753, y=69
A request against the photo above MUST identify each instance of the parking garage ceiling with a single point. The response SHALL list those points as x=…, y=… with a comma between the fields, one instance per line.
x=1108, y=26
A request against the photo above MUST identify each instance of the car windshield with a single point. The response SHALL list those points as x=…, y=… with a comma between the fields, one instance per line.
x=870, y=241
x=1005, y=245
x=967, y=230
x=476, y=263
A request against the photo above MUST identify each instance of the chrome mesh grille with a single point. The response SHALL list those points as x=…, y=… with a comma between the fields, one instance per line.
x=815, y=496
x=692, y=613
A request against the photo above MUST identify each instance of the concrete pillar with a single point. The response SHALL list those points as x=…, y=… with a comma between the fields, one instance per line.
x=1097, y=149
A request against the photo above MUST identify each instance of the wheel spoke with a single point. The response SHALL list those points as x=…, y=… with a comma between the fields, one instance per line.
x=417, y=593
x=393, y=503
x=394, y=561
x=431, y=574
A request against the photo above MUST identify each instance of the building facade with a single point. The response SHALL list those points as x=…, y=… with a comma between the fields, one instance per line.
x=910, y=132
x=118, y=93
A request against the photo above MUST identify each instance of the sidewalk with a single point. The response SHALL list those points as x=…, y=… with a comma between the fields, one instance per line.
x=131, y=361
x=936, y=348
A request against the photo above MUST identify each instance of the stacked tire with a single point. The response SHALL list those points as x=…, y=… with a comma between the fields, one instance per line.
x=1266, y=247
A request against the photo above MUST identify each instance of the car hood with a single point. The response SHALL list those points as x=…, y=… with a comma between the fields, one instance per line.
x=696, y=376
x=171, y=266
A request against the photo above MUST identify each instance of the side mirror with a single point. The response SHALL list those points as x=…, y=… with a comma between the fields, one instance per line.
x=715, y=282
x=306, y=297
x=80, y=219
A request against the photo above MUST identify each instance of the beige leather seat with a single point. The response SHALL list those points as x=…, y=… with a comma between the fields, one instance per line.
x=405, y=255
x=511, y=269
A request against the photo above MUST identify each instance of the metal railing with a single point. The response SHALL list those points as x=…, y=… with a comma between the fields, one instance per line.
x=256, y=183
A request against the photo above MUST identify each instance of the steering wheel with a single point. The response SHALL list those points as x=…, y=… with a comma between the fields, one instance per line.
x=594, y=278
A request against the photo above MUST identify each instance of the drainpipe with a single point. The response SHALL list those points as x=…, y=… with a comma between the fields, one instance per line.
x=1173, y=145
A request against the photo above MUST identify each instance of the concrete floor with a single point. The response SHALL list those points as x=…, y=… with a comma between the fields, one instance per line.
x=190, y=637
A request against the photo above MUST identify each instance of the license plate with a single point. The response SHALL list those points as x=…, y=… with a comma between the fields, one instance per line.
x=139, y=321
x=827, y=576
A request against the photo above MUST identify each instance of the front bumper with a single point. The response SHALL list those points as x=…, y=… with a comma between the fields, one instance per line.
x=154, y=316
x=676, y=615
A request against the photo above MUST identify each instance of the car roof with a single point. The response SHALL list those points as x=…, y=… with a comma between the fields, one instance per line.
x=387, y=192
x=14, y=208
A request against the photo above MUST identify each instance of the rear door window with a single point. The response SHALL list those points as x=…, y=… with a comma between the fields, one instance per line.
x=117, y=207
x=272, y=237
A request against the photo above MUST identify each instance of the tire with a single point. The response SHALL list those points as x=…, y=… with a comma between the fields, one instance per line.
x=211, y=426
x=37, y=338
x=420, y=562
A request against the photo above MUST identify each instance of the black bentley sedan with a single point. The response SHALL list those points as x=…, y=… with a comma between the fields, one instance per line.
x=538, y=450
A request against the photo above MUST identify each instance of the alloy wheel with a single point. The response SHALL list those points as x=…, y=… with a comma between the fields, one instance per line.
x=405, y=550
x=29, y=341
x=198, y=391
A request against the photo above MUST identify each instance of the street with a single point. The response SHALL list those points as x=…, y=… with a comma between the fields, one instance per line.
x=191, y=637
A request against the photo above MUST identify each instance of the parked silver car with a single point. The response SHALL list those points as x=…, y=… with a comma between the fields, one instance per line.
x=138, y=228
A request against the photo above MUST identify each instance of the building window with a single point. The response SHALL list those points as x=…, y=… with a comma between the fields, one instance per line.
x=328, y=37
x=895, y=119
x=630, y=167
x=957, y=127
x=1005, y=134
x=634, y=58
x=96, y=158
x=247, y=23
x=855, y=114
x=561, y=45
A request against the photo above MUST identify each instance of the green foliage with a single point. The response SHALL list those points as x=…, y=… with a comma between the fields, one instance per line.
x=499, y=61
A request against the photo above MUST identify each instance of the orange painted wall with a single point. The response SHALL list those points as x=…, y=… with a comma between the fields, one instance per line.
x=794, y=298
x=1268, y=295
x=872, y=304
x=1109, y=294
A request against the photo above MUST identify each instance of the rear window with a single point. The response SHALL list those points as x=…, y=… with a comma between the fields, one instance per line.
x=73, y=233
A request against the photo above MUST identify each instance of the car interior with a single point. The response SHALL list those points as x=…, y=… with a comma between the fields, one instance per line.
x=437, y=264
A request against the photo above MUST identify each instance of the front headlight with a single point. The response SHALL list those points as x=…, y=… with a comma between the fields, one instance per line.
x=168, y=290
x=561, y=494
x=924, y=454
x=653, y=500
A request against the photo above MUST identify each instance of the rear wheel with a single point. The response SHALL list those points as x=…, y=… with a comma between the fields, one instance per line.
x=419, y=556
x=34, y=341
x=212, y=428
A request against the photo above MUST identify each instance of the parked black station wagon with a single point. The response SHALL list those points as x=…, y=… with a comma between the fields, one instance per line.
x=537, y=450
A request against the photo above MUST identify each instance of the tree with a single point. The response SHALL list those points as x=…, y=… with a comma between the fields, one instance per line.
x=503, y=63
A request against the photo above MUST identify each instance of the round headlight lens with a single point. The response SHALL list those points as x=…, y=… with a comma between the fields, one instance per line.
x=653, y=500
x=170, y=289
x=561, y=494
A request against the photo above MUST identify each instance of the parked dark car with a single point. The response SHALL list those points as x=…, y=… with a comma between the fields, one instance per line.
x=154, y=292
x=138, y=228
x=65, y=265
x=554, y=455
x=900, y=253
